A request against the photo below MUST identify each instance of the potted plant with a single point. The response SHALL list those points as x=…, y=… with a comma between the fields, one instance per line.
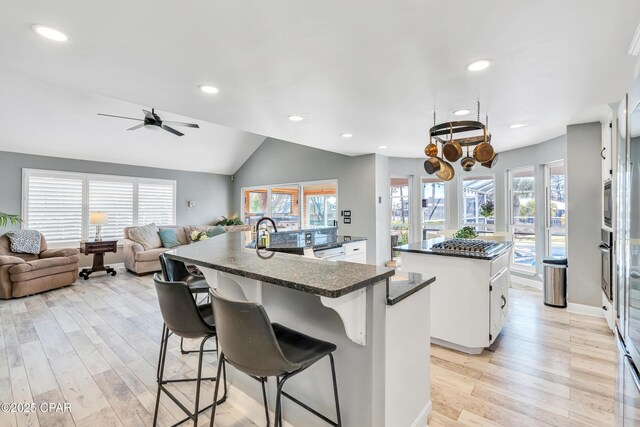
x=486, y=209
x=465, y=233
x=6, y=219
x=229, y=221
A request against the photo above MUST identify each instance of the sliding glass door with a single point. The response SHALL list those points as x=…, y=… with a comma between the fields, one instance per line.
x=434, y=206
x=522, y=215
x=555, y=209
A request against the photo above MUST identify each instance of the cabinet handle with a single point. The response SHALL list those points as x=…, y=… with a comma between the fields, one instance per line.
x=601, y=153
x=356, y=249
x=504, y=300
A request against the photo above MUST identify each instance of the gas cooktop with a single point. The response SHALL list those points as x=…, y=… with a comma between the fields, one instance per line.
x=465, y=246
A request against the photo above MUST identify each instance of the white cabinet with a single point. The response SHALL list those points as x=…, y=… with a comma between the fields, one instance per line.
x=499, y=302
x=469, y=299
x=356, y=252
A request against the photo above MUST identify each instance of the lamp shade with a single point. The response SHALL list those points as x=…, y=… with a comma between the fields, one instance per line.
x=98, y=218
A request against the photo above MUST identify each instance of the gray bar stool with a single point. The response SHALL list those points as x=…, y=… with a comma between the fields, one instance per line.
x=177, y=271
x=261, y=349
x=185, y=319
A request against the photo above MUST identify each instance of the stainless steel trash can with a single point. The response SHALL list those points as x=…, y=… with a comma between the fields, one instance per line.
x=555, y=281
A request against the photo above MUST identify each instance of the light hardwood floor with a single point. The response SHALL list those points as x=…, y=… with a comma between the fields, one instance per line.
x=95, y=345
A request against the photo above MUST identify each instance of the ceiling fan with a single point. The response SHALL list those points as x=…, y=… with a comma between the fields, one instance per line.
x=152, y=119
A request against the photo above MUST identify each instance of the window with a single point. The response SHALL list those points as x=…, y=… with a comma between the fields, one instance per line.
x=321, y=202
x=522, y=214
x=478, y=202
x=293, y=205
x=400, y=202
x=434, y=212
x=116, y=199
x=58, y=204
x=555, y=210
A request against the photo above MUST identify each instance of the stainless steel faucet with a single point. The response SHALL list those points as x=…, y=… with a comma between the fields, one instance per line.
x=266, y=218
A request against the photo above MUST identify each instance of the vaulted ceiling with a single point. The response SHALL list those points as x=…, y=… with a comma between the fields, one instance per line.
x=376, y=70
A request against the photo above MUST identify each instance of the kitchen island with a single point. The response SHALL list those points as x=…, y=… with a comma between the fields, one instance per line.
x=382, y=359
x=469, y=302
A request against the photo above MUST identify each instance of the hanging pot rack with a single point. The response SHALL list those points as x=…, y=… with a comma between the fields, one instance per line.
x=483, y=154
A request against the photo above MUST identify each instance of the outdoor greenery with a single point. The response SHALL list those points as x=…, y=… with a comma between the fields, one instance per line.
x=229, y=221
x=487, y=208
x=6, y=219
x=465, y=233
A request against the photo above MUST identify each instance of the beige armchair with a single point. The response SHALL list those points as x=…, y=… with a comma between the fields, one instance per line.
x=27, y=274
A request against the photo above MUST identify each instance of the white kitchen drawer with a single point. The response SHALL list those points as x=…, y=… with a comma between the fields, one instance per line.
x=500, y=263
x=355, y=248
x=358, y=258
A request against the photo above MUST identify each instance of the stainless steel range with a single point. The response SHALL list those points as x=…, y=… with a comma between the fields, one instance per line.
x=462, y=246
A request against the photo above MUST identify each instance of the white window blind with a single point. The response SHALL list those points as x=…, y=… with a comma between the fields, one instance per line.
x=156, y=203
x=54, y=206
x=59, y=204
x=116, y=199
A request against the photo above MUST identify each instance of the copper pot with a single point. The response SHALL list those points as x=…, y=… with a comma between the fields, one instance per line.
x=483, y=151
x=452, y=150
x=446, y=173
x=492, y=162
x=431, y=150
x=468, y=162
x=433, y=165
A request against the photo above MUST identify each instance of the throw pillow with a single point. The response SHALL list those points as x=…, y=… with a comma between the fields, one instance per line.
x=147, y=236
x=216, y=230
x=25, y=241
x=169, y=238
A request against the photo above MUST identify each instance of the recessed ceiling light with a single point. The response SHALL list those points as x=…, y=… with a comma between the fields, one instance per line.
x=208, y=89
x=479, y=65
x=462, y=112
x=347, y=135
x=382, y=147
x=296, y=118
x=50, y=33
x=517, y=125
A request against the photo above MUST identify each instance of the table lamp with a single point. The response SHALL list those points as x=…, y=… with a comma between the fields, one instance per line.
x=98, y=219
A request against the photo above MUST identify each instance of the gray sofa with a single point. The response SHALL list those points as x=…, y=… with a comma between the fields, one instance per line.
x=141, y=261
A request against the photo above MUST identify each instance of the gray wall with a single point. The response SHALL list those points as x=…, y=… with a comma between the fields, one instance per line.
x=584, y=216
x=534, y=155
x=280, y=162
x=211, y=192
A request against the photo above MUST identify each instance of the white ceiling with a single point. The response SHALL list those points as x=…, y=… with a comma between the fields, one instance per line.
x=40, y=118
x=374, y=69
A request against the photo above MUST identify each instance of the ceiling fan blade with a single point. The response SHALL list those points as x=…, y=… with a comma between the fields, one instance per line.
x=172, y=130
x=137, y=126
x=119, y=117
x=189, y=125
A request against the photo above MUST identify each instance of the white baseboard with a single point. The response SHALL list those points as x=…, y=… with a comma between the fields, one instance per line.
x=536, y=284
x=423, y=417
x=250, y=408
x=586, y=310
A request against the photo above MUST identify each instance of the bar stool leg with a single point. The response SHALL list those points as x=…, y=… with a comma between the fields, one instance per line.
x=215, y=391
x=199, y=381
x=163, y=357
x=279, y=399
x=263, y=381
x=164, y=328
x=335, y=388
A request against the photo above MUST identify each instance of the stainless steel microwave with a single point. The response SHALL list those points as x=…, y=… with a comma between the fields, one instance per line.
x=607, y=204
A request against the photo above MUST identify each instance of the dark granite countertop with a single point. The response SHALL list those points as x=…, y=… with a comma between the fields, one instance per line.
x=425, y=247
x=228, y=253
x=399, y=290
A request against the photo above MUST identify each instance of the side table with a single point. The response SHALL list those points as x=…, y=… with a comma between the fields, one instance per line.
x=98, y=249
